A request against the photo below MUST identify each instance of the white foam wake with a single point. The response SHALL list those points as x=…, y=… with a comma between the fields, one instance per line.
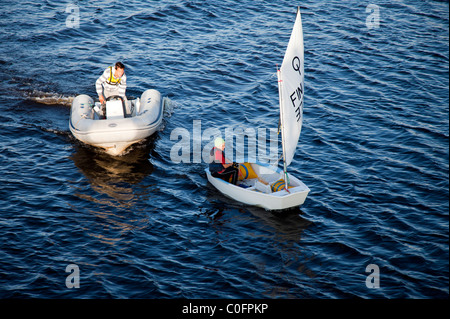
x=50, y=98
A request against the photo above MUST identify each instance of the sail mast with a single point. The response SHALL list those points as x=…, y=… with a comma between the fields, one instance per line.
x=290, y=89
x=280, y=96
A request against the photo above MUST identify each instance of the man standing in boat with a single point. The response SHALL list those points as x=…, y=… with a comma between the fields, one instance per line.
x=113, y=81
x=221, y=167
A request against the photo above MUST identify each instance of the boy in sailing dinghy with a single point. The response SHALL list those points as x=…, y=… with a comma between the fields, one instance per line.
x=112, y=82
x=221, y=167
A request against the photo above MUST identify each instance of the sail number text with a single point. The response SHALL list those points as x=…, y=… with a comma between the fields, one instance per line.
x=297, y=96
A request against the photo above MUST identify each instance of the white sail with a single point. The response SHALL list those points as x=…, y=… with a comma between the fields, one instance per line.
x=291, y=86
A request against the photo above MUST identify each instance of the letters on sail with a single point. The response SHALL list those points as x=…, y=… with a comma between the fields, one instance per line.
x=296, y=97
x=291, y=90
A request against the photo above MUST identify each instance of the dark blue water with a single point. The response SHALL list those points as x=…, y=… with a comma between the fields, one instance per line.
x=374, y=151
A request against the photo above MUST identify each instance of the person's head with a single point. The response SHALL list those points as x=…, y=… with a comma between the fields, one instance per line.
x=119, y=69
x=219, y=143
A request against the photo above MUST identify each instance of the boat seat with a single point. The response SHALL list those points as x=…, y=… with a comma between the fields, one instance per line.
x=114, y=110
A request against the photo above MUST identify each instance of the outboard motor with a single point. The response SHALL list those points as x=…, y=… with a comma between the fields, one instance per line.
x=115, y=108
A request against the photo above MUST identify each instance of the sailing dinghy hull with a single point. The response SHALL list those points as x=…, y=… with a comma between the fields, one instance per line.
x=258, y=191
x=268, y=189
x=116, y=133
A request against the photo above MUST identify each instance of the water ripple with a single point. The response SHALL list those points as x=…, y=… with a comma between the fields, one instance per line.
x=373, y=150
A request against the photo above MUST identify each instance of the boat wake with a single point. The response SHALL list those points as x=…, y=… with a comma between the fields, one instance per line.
x=49, y=98
x=169, y=107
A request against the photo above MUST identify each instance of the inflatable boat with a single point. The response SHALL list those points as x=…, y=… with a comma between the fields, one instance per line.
x=118, y=125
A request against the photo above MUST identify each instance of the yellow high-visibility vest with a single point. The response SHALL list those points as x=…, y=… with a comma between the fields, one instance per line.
x=111, y=79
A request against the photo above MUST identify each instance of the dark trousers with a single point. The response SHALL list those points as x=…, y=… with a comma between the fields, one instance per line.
x=231, y=171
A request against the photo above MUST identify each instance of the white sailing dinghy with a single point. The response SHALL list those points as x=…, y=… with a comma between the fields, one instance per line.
x=125, y=122
x=261, y=184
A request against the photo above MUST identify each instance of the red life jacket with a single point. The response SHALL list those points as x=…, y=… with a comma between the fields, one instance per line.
x=216, y=160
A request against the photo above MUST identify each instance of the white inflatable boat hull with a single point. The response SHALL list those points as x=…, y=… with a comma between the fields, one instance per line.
x=261, y=194
x=115, y=134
